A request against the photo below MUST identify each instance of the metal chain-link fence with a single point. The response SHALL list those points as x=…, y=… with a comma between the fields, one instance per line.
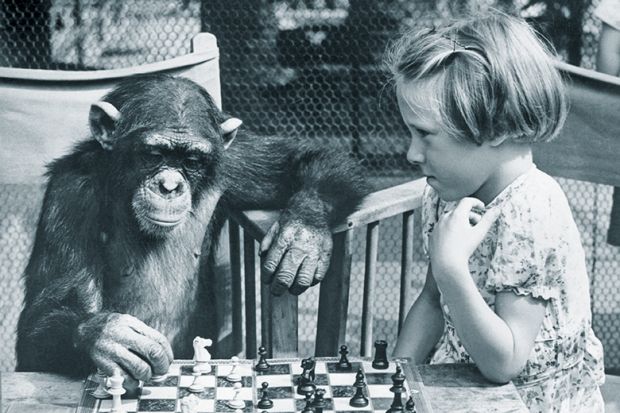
x=309, y=69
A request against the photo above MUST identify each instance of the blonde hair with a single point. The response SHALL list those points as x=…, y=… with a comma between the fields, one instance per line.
x=490, y=76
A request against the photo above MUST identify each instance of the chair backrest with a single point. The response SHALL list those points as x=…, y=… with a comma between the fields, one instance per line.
x=588, y=149
x=42, y=114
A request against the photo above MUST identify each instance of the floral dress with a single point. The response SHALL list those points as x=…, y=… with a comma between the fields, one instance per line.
x=534, y=249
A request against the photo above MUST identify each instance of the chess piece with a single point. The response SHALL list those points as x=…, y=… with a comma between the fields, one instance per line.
x=235, y=403
x=196, y=386
x=398, y=387
x=201, y=354
x=380, y=361
x=189, y=404
x=306, y=380
x=159, y=378
x=265, y=402
x=262, y=364
x=410, y=405
x=116, y=390
x=309, y=407
x=233, y=376
x=343, y=363
x=359, y=398
x=319, y=401
x=100, y=392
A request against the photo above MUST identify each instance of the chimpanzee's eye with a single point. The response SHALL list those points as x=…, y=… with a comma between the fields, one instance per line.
x=192, y=163
x=153, y=156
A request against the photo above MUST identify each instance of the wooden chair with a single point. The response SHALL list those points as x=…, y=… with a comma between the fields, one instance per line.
x=42, y=114
x=588, y=150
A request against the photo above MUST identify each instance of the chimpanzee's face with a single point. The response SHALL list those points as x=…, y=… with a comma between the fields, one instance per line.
x=171, y=169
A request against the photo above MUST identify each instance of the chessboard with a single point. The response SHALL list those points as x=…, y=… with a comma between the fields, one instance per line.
x=282, y=378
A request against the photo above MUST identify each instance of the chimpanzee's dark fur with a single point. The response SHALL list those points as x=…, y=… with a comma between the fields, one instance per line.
x=90, y=257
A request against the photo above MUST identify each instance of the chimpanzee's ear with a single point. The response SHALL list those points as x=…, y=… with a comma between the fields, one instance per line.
x=102, y=118
x=229, y=130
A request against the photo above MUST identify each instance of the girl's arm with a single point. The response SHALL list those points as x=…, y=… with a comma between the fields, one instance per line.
x=499, y=341
x=423, y=326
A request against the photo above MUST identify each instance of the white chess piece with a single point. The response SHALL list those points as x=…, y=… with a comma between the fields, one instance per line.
x=116, y=390
x=189, y=404
x=196, y=386
x=201, y=354
x=100, y=392
x=233, y=376
x=235, y=403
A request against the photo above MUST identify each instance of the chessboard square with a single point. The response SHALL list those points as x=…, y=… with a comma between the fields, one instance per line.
x=130, y=405
x=342, y=379
x=205, y=405
x=170, y=381
x=228, y=393
x=342, y=391
x=222, y=406
x=319, y=379
x=276, y=369
x=368, y=368
x=275, y=380
x=320, y=367
x=380, y=391
x=207, y=381
x=379, y=378
x=246, y=381
x=283, y=405
x=342, y=405
x=175, y=369
x=157, y=405
x=241, y=369
x=159, y=393
x=207, y=393
x=286, y=392
x=333, y=367
x=383, y=404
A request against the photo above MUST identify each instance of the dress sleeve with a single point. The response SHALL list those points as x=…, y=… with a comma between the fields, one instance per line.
x=530, y=254
x=430, y=207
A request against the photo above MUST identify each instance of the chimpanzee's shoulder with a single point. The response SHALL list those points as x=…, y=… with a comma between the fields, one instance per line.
x=81, y=160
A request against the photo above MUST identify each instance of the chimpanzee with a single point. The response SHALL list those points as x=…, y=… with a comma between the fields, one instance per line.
x=119, y=272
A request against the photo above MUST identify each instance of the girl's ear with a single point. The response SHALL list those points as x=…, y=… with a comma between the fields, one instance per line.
x=102, y=118
x=229, y=130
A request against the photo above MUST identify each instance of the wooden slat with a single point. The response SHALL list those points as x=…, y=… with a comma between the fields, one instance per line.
x=235, y=270
x=372, y=246
x=406, y=268
x=249, y=263
x=334, y=298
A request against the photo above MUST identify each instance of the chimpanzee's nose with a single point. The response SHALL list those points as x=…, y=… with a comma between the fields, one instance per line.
x=170, y=181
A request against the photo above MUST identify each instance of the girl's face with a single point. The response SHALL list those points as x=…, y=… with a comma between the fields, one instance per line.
x=455, y=169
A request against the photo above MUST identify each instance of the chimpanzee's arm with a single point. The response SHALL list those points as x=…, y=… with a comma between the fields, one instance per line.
x=60, y=289
x=315, y=186
x=316, y=183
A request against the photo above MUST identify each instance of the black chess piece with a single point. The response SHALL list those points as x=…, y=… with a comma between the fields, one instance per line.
x=319, y=402
x=343, y=363
x=309, y=407
x=262, y=364
x=359, y=398
x=410, y=405
x=398, y=387
x=380, y=361
x=306, y=380
x=265, y=402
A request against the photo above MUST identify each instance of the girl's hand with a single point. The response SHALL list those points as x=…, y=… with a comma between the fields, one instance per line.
x=457, y=234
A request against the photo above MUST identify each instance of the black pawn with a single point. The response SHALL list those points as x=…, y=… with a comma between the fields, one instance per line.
x=265, y=402
x=309, y=408
x=410, y=405
x=380, y=361
x=262, y=364
x=359, y=399
x=343, y=363
x=319, y=402
x=398, y=380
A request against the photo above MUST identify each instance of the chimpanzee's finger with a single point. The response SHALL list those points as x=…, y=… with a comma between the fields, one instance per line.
x=151, y=351
x=133, y=364
x=322, y=266
x=305, y=275
x=273, y=258
x=269, y=236
x=287, y=271
x=154, y=335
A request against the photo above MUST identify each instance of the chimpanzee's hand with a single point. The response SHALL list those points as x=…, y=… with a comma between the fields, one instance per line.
x=114, y=340
x=297, y=256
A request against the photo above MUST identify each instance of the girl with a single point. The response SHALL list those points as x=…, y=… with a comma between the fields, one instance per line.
x=507, y=286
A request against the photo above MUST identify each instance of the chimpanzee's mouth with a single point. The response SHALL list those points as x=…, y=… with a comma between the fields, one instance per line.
x=163, y=222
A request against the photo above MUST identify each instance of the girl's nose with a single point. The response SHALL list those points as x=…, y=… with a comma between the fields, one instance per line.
x=415, y=155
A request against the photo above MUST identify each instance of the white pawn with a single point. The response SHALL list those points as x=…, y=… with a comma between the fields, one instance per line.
x=196, y=386
x=100, y=392
x=233, y=376
x=189, y=404
x=235, y=403
x=116, y=390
